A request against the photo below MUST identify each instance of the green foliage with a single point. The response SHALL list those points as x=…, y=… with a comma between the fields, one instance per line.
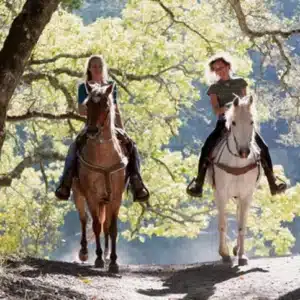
x=29, y=217
x=155, y=60
x=72, y=4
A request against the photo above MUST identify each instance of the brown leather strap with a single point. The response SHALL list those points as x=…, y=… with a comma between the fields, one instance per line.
x=105, y=171
x=235, y=170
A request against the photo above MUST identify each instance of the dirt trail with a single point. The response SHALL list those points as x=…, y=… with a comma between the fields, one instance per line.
x=267, y=278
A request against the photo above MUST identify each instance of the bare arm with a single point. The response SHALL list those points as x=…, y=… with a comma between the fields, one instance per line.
x=215, y=105
x=118, y=121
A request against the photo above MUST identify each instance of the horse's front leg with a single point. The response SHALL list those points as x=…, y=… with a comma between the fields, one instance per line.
x=237, y=246
x=99, y=262
x=80, y=206
x=83, y=252
x=223, y=247
x=106, y=244
x=113, y=232
x=242, y=220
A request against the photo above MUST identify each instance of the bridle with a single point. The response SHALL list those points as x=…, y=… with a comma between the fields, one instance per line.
x=235, y=142
x=97, y=135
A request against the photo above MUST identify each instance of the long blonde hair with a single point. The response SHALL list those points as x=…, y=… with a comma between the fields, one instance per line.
x=87, y=73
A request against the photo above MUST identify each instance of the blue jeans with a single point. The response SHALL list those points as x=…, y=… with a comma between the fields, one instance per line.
x=70, y=159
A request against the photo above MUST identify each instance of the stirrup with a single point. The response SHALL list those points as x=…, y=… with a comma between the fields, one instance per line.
x=143, y=199
x=191, y=183
x=191, y=193
x=278, y=188
x=60, y=196
x=282, y=181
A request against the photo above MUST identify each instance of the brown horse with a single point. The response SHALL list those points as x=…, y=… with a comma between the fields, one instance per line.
x=101, y=175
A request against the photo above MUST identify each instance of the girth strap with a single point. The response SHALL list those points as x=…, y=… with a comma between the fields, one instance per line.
x=235, y=170
x=105, y=171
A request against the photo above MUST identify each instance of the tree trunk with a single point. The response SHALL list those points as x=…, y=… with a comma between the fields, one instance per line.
x=23, y=36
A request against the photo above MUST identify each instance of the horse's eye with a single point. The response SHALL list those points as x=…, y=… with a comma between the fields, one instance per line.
x=252, y=123
x=233, y=123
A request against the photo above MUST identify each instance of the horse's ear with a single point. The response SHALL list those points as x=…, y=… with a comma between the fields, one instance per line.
x=109, y=89
x=236, y=102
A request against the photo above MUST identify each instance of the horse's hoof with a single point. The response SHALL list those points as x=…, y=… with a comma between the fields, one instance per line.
x=243, y=261
x=83, y=255
x=113, y=268
x=235, y=250
x=99, y=263
x=227, y=259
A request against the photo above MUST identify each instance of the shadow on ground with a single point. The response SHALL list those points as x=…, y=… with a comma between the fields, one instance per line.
x=197, y=282
x=293, y=295
x=22, y=288
x=34, y=267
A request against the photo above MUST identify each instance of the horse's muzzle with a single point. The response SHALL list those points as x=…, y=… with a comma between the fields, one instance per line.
x=244, y=153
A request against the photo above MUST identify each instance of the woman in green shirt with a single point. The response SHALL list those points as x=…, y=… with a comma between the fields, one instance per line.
x=96, y=72
x=221, y=94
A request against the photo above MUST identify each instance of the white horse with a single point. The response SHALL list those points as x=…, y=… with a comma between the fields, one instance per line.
x=235, y=171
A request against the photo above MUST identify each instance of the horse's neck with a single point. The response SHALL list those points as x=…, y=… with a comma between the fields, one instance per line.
x=105, y=149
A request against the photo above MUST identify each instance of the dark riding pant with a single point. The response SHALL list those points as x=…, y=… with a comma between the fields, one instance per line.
x=211, y=142
x=264, y=151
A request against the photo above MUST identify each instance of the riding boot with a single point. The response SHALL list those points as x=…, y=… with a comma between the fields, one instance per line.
x=64, y=189
x=70, y=169
x=267, y=165
x=195, y=188
x=274, y=188
x=139, y=191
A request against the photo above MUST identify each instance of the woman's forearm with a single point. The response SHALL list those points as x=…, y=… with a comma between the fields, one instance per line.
x=219, y=110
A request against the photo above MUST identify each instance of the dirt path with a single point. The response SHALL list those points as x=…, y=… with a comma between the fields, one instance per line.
x=274, y=278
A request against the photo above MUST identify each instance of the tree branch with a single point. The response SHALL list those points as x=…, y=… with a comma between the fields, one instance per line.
x=165, y=166
x=6, y=179
x=29, y=77
x=113, y=72
x=37, y=114
x=184, y=219
x=236, y=5
x=59, y=56
x=173, y=18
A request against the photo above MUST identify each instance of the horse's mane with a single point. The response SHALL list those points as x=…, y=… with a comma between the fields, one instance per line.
x=243, y=104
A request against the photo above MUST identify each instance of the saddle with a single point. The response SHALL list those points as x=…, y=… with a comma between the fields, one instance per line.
x=122, y=136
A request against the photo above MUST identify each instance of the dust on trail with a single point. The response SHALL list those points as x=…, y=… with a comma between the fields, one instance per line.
x=267, y=278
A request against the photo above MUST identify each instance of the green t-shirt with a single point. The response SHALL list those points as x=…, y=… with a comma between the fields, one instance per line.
x=227, y=89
